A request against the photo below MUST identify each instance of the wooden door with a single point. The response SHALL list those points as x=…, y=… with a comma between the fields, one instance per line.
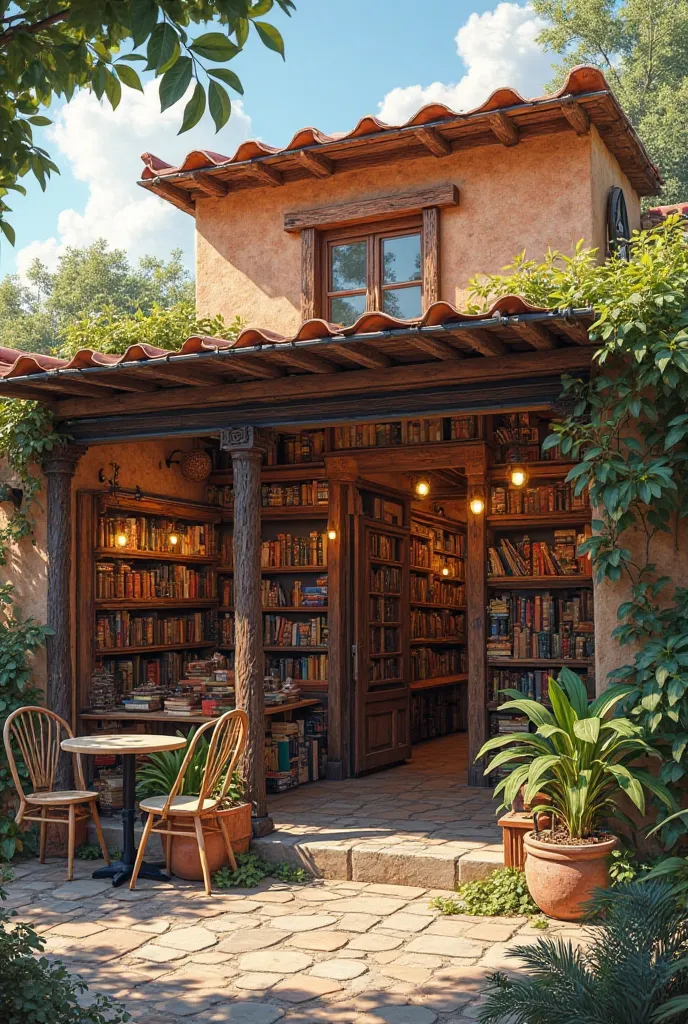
x=381, y=660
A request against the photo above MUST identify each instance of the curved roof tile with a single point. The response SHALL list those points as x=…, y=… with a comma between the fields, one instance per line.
x=581, y=79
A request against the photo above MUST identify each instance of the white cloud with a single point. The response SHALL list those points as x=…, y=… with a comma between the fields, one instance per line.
x=497, y=48
x=102, y=148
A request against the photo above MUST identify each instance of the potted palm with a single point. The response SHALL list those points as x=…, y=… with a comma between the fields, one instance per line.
x=574, y=767
x=159, y=774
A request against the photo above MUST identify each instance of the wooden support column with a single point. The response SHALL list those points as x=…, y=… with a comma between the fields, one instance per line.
x=59, y=469
x=247, y=446
x=338, y=688
x=476, y=603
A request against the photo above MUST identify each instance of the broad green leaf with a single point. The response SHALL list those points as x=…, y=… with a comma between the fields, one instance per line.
x=228, y=77
x=113, y=89
x=214, y=46
x=144, y=17
x=129, y=77
x=587, y=729
x=575, y=690
x=270, y=36
x=219, y=104
x=194, y=109
x=163, y=45
x=40, y=121
x=8, y=231
x=175, y=82
x=629, y=783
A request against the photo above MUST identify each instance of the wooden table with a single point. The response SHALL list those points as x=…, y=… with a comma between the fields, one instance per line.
x=127, y=746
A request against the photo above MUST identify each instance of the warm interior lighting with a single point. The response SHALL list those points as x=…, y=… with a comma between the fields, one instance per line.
x=331, y=534
x=422, y=487
x=477, y=506
x=173, y=538
x=121, y=539
x=519, y=476
x=445, y=571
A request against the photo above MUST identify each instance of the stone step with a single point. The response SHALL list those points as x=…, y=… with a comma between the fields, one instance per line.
x=441, y=866
x=112, y=830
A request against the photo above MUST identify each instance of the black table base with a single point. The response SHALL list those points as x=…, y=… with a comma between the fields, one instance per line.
x=121, y=870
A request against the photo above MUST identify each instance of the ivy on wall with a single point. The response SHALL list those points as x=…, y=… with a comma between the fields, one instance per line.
x=627, y=432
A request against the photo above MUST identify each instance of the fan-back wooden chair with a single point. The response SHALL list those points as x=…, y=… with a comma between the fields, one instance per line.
x=36, y=733
x=198, y=813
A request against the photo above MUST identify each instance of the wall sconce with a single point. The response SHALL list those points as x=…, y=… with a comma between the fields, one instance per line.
x=331, y=534
x=518, y=476
x=421, y=485
x=173, y=537
x=477, y=505
x=445, y=571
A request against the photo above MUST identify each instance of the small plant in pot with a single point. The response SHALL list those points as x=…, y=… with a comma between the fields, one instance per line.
x=159, y=774
x=580, y=760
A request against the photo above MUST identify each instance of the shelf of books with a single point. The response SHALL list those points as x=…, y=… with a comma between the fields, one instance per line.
x=437, y=625
x=540, y=614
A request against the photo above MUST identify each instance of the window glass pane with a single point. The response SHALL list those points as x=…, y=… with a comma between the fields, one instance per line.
x=402, y=302
x=401, y=259
x=347, y=310
x=348, y=267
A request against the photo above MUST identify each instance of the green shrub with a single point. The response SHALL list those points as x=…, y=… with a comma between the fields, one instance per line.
x=251, y=870
x=159, y=773
x=288, y=873
x=35, y=991
x=503, y=894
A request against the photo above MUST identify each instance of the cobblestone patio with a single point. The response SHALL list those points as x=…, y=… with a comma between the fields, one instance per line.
x=415, y=824
x=329, y=951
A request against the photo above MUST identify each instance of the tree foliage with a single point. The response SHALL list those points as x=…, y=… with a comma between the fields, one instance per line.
x=627, y=431
x=53, y=48
x=642, y=47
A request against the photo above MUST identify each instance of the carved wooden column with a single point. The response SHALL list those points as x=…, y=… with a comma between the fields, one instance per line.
x=247, y=446
x=59, y=469
x=476, y=602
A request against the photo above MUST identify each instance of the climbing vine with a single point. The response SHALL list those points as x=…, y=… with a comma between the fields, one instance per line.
x=626, y=429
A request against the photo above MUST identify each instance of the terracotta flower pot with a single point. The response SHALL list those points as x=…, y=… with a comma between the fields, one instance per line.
x=186, y=862
x=57, y=836
x=562, y=879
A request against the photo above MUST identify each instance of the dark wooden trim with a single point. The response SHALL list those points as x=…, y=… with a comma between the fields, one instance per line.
x=476, y=603
x=86, y=509
x=310, y=273
x=430, y=242
x=369, y=209
x=337, y=596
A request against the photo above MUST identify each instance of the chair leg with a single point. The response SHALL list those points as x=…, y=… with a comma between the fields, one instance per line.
x=99, y=830
x=201, y=852
x=21, y=812
x=168, y=851
x=228, y=845
x=44, y=833
x=71, y=842
x=142, y=849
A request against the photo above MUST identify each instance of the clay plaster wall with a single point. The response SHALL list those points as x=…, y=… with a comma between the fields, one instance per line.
x=605, y=174
x=534, y=195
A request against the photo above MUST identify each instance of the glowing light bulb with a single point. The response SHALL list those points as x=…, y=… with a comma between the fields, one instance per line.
x=173, y=539
x=518, y=476
x=121, y=539
x=477, y=505
x=445, y=571
x=331, y=534
x=422, y=488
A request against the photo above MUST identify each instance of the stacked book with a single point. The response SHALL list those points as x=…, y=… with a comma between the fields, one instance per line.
x=292, y=550
x=280, y=631
x=499, y=643
x=184, y=704
x=143, y=698
x=536, y=500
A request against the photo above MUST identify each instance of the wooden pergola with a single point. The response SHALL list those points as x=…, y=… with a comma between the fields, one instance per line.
x=508, y=359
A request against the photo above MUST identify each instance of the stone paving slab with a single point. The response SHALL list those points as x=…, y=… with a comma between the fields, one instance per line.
x=373, y=953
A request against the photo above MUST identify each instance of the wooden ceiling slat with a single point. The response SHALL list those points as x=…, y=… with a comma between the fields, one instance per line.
x=364, y=355
x=484, y=342
x=535, y=334
x=253, y=366
x=179, y=374
x=303, y=360
x=120, y=381
x=436, y=347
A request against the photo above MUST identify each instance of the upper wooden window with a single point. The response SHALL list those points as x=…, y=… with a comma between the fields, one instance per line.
x=373, y=269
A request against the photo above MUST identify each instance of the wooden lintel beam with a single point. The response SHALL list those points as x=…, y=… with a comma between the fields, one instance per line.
x=575, y=331
x=432, y=140
x=576, y=115
x=318, y=165
x=436, y=347
x=483, y=342
x=304, y=360
x=535, y=334
x=372, y=209
x=503, y=128
x=210, y=185
x=179, y=197
x=268, y=175
x=364, y=355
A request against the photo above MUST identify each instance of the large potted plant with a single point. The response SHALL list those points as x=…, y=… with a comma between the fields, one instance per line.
x=158, y=775
x=581, y=761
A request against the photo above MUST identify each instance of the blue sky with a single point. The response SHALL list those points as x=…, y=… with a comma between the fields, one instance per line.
x=345, y=58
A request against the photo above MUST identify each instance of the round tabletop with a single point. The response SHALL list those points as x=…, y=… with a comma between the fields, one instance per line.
x=122, y=744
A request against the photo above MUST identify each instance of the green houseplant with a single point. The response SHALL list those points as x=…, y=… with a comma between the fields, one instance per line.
x=158, y=775
x=581, y=761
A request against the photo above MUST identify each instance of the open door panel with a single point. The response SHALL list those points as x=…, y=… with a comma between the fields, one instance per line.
x=382, y=694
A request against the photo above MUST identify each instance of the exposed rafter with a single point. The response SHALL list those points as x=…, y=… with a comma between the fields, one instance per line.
x=503, y=128
x=433, y=140
x=304, y=360
x=210, y=185
x=576, y=116
x=364, y=355
x=268, y=175
x=535, y=334
x=318, y=165
x=483, y=342
x=179, y=197
x=436, y=347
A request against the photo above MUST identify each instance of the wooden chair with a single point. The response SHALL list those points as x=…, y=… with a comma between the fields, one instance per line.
x=225, y=749
x=36, y=733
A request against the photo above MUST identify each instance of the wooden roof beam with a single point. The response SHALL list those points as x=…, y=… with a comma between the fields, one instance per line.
x=436, y=347
x=484, y=342
x=576, y=115
x=268, y=175
x=291, y=356
x=364, y=355
x=210, y=185
x=76, y=387
x=503, y=128
x=575, y=331
x=179, y=197
x=253, y=366
x=180, y=374
x=535, y=334
x=318, y=165
x=432, y=140
x=121, y=381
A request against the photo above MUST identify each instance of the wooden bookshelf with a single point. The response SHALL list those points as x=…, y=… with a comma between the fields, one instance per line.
x=154, y=603
x=168, y=716
x=127, y=554
x=538, y=519
x=541, y=662
x=538, y=582
x=438, y=681
x=106, y=652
